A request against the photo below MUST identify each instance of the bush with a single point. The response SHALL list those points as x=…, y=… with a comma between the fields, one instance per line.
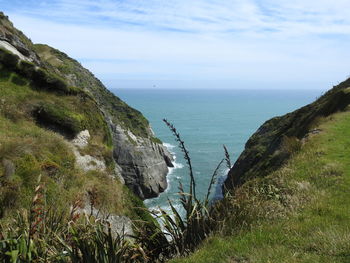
x=39, y=77
x=9, y=193
x=18, y=80
x=26, y=69
x=59, y=119
x=8, y=59
x=5, y=74
x=51, y=82
x=55, y=83
x=291, y=145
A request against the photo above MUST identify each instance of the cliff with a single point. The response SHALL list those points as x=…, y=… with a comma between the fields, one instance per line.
x=272, y=144
x=140, y=158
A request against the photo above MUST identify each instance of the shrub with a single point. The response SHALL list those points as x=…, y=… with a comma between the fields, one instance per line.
x=59, y=119
x=9, y=192
x=39, y=77
x=56, y=83
x=5, y=74
x=156, y=140
x=18, y=80
x=8, y=59
x=291, y=145
x=26, y=69
x=47, y=80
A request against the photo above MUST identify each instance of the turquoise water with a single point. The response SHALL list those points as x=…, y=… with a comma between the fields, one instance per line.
x=207, y=119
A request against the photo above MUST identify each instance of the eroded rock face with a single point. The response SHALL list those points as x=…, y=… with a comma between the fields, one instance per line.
x=14, y=40
x=87, y=162
x=143, y=163
x=82, y=139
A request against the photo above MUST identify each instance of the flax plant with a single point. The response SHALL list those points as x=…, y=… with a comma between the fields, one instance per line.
x=186, y=232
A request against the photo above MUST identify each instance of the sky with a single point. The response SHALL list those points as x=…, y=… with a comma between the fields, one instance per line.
x=283, y=44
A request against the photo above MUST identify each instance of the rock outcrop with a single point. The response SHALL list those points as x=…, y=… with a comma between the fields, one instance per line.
x=272, y=144
x=143, y=163
x=14, y=40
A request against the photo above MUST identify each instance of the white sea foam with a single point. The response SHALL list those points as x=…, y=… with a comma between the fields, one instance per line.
x=220, y=181
x=156, y=209
x=169, y=146
x=177, y=165
x=170, y=177
x=172, y=180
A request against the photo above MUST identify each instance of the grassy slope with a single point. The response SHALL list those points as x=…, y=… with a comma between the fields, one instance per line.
x=122, y=113
x=299, y=213
x=35, y=150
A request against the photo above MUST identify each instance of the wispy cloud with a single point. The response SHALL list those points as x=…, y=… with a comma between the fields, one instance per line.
x=272, y=41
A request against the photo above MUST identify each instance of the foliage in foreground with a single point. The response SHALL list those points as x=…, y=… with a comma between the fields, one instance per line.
x=46, y=235
x=185, y=233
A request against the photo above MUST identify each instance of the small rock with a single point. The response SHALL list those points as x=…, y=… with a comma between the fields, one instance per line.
x=120, y=225
x=9, y=168
x=88, y=162
x=82, y=139
x=315, y=131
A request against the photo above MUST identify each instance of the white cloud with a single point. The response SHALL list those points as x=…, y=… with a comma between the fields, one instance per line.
x=269, y=41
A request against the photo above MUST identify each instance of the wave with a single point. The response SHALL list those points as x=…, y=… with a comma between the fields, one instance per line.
x=177, y=165
x=156, y=211
x=172, y=180
x=218, y=194
x=169, y=146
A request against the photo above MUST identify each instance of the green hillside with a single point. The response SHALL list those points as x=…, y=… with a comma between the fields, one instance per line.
x=298, y=213
x=39, y=114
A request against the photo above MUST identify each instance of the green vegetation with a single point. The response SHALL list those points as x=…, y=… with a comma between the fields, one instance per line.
x=8, y=59
x=46, y=235
x=156, y=140
x=32, y=122
x=40, y=110
x=40, y=78
x=294, y=211
x=120, y=112
x=52, y=115
x=295, y=214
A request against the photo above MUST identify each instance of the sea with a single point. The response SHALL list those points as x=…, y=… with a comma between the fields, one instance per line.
x=206, y=120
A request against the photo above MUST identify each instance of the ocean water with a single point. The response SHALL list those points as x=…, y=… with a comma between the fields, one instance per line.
x=207, y=120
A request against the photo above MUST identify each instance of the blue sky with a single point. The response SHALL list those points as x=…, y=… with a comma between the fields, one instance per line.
x=196, y=43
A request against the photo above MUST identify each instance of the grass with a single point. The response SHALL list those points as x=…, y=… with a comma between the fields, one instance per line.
x=301, y=217
x=39, y=112
x=38, y=148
